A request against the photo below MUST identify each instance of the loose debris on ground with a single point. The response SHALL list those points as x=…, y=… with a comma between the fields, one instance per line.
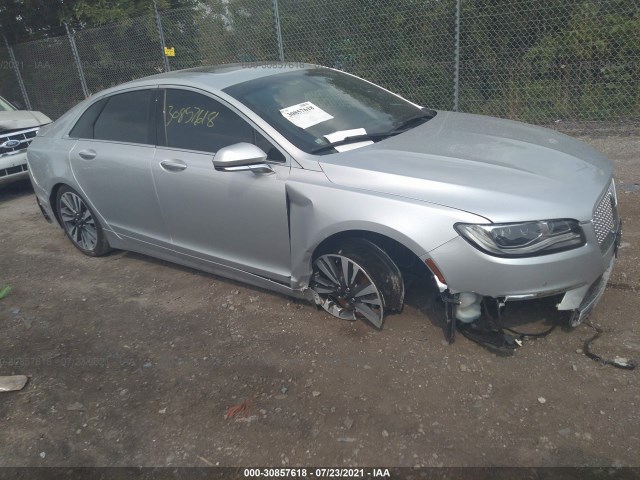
x=13, y=383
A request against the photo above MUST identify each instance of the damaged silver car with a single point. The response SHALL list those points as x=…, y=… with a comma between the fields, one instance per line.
x=321, y=185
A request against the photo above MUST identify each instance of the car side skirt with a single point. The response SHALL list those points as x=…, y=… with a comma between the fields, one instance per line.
x=197, y=263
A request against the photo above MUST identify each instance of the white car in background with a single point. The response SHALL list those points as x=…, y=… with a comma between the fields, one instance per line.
x=17, y=129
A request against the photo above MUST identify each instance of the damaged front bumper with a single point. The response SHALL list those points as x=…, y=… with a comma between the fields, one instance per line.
x=13, y=167
x=580, y=275
x=595, y=291
x=587, y=299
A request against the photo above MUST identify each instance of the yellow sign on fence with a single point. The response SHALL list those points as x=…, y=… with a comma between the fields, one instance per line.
x=170, y=52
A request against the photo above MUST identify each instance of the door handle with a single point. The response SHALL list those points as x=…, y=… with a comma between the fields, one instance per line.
x=173, y=165
x=87, y=154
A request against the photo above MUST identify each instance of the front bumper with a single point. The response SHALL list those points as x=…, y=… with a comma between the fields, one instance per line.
x=590, y=299
x=13, y=167
x=580, y=274
x=594, y=293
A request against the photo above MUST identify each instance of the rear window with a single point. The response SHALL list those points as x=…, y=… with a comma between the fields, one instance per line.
x=84, y=126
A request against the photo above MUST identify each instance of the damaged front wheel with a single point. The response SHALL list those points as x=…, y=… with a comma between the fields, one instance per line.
x=357, y=282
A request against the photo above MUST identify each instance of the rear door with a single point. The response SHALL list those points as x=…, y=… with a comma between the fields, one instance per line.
x=112, y=163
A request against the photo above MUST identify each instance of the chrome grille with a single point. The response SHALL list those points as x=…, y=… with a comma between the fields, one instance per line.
x=16, y=141
x=605, y=218
x=5, y=172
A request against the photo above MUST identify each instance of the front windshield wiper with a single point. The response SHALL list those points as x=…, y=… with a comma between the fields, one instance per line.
x=414, y=121
x=403, y=127
x=353, y=139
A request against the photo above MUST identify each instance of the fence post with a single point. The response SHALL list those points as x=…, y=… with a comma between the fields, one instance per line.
x=16, y=69
x=76, y=58
x=165, y=60
x=276, y=18
x=456, y=72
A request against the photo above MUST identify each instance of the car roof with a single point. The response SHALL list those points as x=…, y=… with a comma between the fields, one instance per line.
x=216, y=77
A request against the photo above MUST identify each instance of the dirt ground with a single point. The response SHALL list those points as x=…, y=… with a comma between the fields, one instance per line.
x=134, y=362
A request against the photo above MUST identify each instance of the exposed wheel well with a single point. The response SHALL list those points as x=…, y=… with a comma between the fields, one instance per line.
x=407, y=261
x=52, y=201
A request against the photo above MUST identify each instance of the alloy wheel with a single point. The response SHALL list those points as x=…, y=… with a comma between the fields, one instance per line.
x=78, y=221
x=344, y=289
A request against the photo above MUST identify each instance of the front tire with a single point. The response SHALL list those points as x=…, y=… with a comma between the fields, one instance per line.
x=358, y=281
x=80, y=224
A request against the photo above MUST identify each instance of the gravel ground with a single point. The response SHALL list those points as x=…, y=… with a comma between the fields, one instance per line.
x=134, y=361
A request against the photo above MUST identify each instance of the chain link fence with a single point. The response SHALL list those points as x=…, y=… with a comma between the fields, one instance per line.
x=224, y=32
x=48, y=72
x=118, y=53
x=9, y=87
x=534, y=61
x=550, y=60
x=407, y=47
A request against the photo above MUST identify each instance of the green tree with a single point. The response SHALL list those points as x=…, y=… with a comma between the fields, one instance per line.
x=405, y=45
x=591, y=67
x=24, y=20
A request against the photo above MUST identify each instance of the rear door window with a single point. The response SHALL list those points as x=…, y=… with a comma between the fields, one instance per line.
x=84, y=126
x=126, y=118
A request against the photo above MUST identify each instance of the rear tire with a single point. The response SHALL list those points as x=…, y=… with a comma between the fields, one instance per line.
x=80, y=223
x=358, y=281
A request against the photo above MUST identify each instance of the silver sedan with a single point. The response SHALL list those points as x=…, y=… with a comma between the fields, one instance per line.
x=321, y=185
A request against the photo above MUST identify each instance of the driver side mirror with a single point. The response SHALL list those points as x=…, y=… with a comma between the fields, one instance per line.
x=242, y=157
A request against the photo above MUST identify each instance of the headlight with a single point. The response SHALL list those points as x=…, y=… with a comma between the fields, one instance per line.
x=523, y=239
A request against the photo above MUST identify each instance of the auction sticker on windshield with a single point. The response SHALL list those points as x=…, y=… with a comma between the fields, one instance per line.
x=305, y=115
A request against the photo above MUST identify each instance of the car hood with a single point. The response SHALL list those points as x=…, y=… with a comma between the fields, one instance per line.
x=502, y=170
x=21, y=119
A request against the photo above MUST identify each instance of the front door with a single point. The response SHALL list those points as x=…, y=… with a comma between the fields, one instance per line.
x=239, y=218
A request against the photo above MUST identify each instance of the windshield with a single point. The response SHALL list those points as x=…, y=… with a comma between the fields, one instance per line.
x=5, y=106
x=319, y=107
